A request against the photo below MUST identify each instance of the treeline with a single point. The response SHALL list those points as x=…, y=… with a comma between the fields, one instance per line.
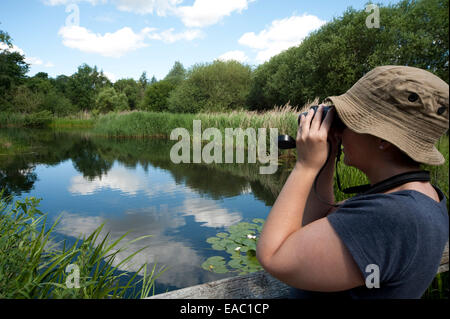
x=328, y=62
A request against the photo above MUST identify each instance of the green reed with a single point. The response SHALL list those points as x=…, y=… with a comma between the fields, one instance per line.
x=148, y=124
x=33, y=266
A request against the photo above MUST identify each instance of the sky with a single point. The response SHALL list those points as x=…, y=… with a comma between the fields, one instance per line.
x=126, y=37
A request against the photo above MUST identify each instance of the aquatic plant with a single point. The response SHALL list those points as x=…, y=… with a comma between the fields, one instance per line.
x=240, y=243
x=32, y=266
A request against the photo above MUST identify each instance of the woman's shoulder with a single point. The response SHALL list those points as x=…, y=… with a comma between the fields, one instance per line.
x=435, y=196
x=404, y=203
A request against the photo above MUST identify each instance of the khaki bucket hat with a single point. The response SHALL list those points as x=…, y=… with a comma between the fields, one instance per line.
x=405, y=106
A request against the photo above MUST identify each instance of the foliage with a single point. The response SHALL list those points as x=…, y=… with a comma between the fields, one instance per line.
x=12, y=73
x=109, y=100
x=5, y=38
x=219, y=86
x=156, y=96
x=330, y=60
x=39, y=94
x=38, y=119
x=162, y=123
x=132, y=90
x=84, y=85
x=177, y=74
x=31, y=265
x=57, y=104
x=439, y=288
x=143, y=81
x=240, y=243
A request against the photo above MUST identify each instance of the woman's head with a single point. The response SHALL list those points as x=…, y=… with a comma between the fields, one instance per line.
x=404, y=106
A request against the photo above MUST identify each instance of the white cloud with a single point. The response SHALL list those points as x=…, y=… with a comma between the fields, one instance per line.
x=122, y=41
x=234, y=55
x=33, y=60
x=161, y=7
x=113, y=45
x=111, y=76
x=280, y=35
x=168, y=36
x=207, y=212
x=207, y=12
x=116, y=179
x=201, y=13
x=28, y=59
x=121, y=179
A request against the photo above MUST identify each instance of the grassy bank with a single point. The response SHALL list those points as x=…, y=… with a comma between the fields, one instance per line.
x=46, y=119
x=148, y=124
x=151, y=124
x=33, y=266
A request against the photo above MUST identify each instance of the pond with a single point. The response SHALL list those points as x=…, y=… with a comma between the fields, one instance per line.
x=131, y=186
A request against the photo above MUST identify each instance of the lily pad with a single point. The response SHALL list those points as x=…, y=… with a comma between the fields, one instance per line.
x=215, y=264
x=239, y=245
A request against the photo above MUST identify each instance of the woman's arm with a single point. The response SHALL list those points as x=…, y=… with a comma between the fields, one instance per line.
x=316, y=209
x=310, y=257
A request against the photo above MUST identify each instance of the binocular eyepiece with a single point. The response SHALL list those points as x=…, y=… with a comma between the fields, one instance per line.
x=287, y=142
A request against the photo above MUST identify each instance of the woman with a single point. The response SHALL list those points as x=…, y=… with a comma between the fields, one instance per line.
x=381, y=245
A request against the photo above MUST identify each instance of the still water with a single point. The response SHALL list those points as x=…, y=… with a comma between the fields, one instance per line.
x=130, y=185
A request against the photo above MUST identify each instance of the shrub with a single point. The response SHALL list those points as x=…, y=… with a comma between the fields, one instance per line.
x=156, y=96
x=57, y=103
x=219, y=86
x=39, y=119
x=26, y=101
x=109, y=100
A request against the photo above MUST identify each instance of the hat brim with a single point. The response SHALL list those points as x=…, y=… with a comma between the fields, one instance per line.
x=369, y=121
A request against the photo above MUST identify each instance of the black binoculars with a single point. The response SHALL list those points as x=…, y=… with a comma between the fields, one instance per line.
x=287, y=142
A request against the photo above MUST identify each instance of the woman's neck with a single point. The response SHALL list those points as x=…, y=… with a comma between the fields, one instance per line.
x=380, y=173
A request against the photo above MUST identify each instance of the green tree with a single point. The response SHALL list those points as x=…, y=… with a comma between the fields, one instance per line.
x=12, y=72
x=26, y=100
x=218, y=86
x=57, y=103
x=132, y=91
x=330, y=60
x=156, y=96
x=84, y=86
x=5, y=38
x=40, y=93
x=40, y=83
x=143, y=81
x=62, y=84
x=109, y=100
x=177, y=74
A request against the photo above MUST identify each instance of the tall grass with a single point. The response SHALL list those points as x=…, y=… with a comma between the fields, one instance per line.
x=39, y=119
x=32, y=265
x=46, y=119
x=150, y=124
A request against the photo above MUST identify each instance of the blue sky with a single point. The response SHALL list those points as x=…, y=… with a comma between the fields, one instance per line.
x=126, y=37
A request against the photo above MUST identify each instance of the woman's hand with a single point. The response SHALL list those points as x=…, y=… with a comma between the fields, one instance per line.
x=312, y=135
